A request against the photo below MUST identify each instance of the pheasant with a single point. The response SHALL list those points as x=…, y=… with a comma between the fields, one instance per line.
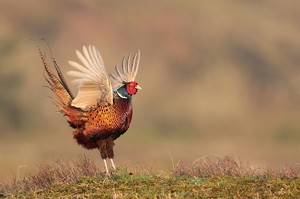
x=102, y=110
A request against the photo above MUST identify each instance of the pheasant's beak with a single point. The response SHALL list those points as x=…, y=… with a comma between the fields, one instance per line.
x=138, y=87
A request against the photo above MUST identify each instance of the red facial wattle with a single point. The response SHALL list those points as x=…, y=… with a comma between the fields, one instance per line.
x=130, y=88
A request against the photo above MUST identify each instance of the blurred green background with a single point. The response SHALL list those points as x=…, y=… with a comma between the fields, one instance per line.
x=218, y=77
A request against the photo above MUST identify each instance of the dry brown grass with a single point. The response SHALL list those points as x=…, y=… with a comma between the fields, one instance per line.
x=48, y=174
x=228, y=166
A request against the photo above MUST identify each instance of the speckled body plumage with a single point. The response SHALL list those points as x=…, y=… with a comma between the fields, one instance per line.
x=103, y=123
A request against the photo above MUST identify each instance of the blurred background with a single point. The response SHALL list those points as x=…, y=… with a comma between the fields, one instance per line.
x=218, y=77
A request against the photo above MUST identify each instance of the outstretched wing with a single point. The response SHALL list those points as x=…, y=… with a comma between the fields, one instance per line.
x=92, y=80
x=128, y=71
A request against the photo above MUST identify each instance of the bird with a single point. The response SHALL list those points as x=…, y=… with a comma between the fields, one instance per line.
x=102, y=109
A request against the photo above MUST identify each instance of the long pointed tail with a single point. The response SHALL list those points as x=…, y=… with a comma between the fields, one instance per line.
x=59, y=86
x=57, y=82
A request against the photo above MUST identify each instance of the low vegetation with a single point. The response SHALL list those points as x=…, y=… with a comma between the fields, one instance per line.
x=206, y=177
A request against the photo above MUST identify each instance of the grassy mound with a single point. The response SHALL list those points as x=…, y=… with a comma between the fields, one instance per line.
x=220, y=177
x=153, y=186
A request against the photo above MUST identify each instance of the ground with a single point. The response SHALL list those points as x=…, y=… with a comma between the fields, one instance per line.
x=222, y=177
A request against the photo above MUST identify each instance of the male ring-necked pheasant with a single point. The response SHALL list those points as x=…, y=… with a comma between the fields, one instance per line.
x=102, y=109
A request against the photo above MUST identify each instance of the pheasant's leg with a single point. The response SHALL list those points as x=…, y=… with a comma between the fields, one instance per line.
x=103, y=153
x=106, y=168
x=110, y=151
x=112, y=163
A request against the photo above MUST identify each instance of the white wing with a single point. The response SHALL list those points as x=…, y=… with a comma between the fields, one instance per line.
x=128, y=71
x=91, y=78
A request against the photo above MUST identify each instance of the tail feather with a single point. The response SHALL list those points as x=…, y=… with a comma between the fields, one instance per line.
x=59, y=86
x=60, y=75
x=57, y=82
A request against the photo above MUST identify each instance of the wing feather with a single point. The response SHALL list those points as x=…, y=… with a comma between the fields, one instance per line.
x=82, y=58
x=119, y=74
x=123, y=65
x=93, y=61
x=78, y=66
x=92, y=80
x=136, y=64
x=128, y=71
x=128, y=64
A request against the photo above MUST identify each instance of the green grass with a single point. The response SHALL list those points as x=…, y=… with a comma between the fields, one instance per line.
x=126, y=185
